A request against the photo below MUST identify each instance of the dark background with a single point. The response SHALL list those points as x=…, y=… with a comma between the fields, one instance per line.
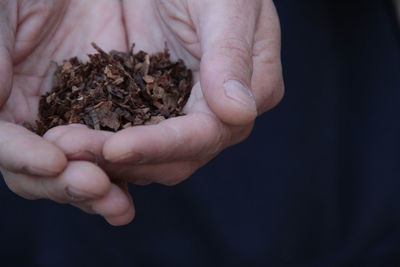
x=316, y=184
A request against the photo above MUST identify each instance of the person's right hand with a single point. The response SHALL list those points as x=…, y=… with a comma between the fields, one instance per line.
x=32, y=35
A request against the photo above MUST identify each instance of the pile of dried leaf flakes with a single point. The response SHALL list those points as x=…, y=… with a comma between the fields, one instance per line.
x=115, y=90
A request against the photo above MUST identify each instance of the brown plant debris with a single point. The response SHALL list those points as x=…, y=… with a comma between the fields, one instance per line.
x=115, y=90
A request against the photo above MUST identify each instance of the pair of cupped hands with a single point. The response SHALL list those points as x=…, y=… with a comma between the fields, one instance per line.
x=233, y=48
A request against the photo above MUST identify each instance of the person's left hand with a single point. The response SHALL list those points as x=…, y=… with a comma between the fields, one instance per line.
x=233, y=47
x=33, y=35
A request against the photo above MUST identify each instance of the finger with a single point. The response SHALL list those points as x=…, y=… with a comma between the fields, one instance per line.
x=163, y=173
x=22, y=151
x=108, y=32
x=116, y=210
x=6, y=48
x=80, y=181
x=123, y=219
x=268, y=89
x=136, y=14
x=194, y=136
x=78, y=142
x=226, y=31
x=82, y=184
x=116, y=207
x=6, y=74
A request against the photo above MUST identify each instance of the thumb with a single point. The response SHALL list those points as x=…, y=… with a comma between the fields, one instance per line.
x=226, y=31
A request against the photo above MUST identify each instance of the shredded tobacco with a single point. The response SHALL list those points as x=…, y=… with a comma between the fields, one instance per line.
x=115, y=90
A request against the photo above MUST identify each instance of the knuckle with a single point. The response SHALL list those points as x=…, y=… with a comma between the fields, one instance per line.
x=267, y=51
x=238, y=45
x=220, y=136
x=45, y=192
x=54, y=195
x=237, y=50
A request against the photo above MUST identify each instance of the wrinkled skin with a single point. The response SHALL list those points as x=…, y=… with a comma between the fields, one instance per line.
x=228, y=44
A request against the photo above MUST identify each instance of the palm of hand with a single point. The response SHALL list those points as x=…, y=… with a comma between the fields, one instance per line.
x=51, y=31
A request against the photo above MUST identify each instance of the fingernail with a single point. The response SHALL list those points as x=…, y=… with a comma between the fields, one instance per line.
x=241, y=94
x=77, y=195
x=132, y=157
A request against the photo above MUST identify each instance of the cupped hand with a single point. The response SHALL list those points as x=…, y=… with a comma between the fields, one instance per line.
x=33, y=34
x=233, y=47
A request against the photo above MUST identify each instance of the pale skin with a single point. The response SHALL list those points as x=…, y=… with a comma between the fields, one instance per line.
x=233, y=48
